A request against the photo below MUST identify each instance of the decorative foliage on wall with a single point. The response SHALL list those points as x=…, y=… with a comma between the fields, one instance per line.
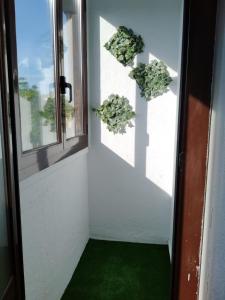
x=153, y=79
x=125, y=45
x=116, y=112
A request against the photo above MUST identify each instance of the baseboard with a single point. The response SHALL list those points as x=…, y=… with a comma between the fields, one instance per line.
x=152, y=241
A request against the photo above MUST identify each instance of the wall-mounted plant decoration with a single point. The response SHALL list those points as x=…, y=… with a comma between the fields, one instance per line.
x=48, y=113
x=153, y=79
x=116, y=112
x=125, y=45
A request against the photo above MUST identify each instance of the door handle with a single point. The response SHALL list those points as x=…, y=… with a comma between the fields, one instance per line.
x=64, y=85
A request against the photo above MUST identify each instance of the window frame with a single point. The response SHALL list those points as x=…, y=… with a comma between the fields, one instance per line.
x=35, y=160
x=16, y=287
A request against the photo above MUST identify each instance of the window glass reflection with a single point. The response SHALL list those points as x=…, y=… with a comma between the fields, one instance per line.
x=72, y=42
x=36, y=67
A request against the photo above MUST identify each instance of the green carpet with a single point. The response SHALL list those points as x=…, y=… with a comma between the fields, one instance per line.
x=121, y=271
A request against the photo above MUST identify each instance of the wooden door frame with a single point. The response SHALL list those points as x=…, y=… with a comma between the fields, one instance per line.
x=194, y=122
x=193, y=138
x=15, y=289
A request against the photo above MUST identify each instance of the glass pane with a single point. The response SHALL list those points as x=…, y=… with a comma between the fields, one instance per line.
x=5, y=262
x=35, y=46
x=72, y=66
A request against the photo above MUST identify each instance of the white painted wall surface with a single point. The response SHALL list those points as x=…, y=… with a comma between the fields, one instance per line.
x=55, y=226
x=212, y=285
x=131, y=175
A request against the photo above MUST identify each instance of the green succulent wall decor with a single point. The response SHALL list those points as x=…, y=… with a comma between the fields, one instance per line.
x=125, y=45
x=153, y=79
x=116, y=112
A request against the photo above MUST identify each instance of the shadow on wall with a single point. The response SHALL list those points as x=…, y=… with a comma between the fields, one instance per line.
x=130, y=195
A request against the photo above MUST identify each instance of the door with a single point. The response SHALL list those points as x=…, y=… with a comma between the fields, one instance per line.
x=194, y=124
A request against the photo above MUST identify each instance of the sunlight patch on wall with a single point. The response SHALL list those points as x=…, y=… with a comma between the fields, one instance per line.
x=172, y=72
x=114, y=79
x=160, y=153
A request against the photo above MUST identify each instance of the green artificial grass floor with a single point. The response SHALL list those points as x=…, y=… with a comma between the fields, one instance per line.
x=121, y=271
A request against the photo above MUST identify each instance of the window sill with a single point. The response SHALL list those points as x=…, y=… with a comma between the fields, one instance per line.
x=40, y=160
x=52, y=169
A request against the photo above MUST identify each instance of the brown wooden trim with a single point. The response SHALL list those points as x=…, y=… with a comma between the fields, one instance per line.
x=197, y=70
x=38, y=159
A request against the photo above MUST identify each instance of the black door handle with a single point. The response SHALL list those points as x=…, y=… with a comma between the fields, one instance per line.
x=64, y=85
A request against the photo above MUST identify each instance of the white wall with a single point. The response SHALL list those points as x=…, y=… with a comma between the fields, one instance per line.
x=212, y=285
x=55, y=226
x=131, y=175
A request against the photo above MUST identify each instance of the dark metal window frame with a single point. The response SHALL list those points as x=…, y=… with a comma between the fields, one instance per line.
x=16, y=286
x=35, y=160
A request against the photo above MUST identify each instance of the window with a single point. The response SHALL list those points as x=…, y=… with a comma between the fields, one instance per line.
x=36, y=50
x=51, y=103
x=72, y=51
